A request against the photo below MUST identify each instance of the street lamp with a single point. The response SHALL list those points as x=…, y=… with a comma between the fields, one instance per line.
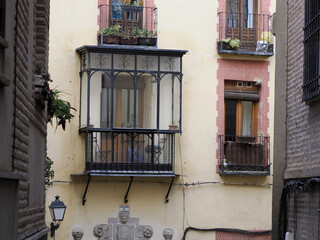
x=57, y=210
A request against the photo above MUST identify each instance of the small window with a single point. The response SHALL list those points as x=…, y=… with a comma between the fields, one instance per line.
x=239, y=84
x=249, y=84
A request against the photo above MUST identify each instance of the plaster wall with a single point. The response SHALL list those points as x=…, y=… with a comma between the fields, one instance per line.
x=230, y=202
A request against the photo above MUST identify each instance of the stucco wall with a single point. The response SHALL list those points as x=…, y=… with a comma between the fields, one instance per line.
x=230, y=202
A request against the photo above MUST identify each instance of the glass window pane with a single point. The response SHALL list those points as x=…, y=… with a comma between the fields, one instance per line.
x=147, y=62
x=169, y=64
x=169, y=102
x=100, y=60
x=84, y=100
x=231, y=117
x=123, y=101
x=123, y=61
x=147, y=102
x=105, y=121
x=246, y=118
x=95, y=99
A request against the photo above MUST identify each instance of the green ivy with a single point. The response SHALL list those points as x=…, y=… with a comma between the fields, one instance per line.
x=49, y=173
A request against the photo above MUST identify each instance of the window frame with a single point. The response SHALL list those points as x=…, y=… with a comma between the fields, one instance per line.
x=240, y=94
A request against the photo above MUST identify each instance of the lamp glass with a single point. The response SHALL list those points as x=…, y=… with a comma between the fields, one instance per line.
x=58, y=213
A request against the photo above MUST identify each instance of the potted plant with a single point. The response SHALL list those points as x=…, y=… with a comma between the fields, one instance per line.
x=110, y=35
x=145, y=37
x=128, y=40
x=228, y=44
x=41, y=83
x=58, y=108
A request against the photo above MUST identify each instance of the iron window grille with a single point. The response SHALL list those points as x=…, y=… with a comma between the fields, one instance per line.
x=311, y=82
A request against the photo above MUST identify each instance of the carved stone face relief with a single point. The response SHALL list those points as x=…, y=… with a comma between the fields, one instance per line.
x=124, y=217
x=147, y=232
x=167, y=233
x=77, y=233
x=123, y=228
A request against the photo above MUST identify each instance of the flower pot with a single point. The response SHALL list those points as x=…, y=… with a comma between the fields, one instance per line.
x=148, y=41
x=129, y=41
x=110, y=39
x=38, y=86
x=173, y=127
x=225, y=46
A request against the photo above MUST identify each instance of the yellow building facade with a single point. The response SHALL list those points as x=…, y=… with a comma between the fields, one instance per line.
x=220, y=182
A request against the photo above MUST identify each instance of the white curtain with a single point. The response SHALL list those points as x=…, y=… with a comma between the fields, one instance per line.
x=233, y=13
x=246, y=118
x=247, y=13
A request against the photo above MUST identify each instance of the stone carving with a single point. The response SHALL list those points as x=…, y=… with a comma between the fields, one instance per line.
x=167, y=233
x=123, y=228
x=77, y=233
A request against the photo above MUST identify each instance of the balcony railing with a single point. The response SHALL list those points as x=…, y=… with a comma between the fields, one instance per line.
x=253, y=31
x=129, y=17
x=244, y=155
x=130, y=152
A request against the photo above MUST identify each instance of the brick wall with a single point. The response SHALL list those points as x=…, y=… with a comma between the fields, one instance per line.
x=31, y=49
x=243, y=70
x=303, y=125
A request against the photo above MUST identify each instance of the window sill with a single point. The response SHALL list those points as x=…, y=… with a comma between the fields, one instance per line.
x=244, y=170
x=250, y=53
x=121, y=176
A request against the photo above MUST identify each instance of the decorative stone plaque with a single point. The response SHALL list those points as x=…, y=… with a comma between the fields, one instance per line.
x=123, y=228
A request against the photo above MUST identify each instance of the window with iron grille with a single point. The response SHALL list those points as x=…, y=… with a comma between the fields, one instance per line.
x=2, y=17
x=311, y=84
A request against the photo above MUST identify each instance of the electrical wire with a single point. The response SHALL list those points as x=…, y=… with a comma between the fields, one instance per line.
x=230, y=230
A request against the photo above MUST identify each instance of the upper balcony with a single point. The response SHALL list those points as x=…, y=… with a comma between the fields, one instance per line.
x=127, y=24
x=251, y=32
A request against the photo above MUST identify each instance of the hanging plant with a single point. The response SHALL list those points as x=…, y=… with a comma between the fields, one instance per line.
x=58, y=108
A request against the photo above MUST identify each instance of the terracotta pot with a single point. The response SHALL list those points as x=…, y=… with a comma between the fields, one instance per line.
x=173, y=127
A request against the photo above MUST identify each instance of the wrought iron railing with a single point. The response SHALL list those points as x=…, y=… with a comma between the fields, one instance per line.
x=130, y=152
x=128, y=17
x=248, y=155
x=253, y=30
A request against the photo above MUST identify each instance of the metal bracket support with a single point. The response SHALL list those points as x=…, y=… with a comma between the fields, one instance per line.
x=126, y=196
x=85, y=191
x=167, y=196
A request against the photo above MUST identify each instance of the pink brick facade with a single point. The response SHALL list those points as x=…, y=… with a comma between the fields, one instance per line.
x=243, y=70
x=103, y=13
